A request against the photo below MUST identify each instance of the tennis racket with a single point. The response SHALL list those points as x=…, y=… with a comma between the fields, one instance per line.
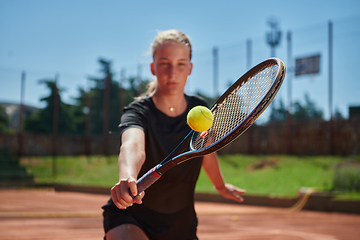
x=234, y=112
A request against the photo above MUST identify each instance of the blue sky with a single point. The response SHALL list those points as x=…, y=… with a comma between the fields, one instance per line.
x=67, y=37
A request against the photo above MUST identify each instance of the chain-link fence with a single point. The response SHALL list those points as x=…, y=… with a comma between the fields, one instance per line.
x=330, y=91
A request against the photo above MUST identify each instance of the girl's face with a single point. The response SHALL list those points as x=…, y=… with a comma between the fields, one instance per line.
x=171, y=65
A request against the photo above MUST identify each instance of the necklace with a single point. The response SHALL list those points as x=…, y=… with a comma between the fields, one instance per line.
x=171, y=109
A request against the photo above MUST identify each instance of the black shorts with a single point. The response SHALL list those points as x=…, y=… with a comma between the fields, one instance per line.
x=181, y=225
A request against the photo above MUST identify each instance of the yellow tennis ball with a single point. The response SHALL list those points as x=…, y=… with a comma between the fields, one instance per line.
x=200, y=118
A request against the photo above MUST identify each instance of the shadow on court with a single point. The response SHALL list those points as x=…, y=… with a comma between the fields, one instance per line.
x=46, y=214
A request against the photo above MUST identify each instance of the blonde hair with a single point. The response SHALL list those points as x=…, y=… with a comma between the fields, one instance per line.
x=167, y=35
x=171, y=34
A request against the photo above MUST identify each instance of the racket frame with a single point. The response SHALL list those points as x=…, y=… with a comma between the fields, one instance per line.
x=155, y=173
x=241, y=128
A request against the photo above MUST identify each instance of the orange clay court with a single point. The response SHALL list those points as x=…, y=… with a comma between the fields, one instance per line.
x=46, y=214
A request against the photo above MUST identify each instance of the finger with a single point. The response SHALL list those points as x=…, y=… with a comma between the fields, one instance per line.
x=233, y=196
x=133, y=188
x=239, y=191
x=234, y=189
x=125, y=203
x=115, y=198
x=138, y=199
x=118, y=205
x=125, y=195
x=120, y=202
x=239, y=198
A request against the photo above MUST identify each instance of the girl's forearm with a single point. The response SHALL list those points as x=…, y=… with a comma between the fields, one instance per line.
x=212, y=169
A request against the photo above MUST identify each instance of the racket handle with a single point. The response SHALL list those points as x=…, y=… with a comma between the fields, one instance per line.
x=146, y=180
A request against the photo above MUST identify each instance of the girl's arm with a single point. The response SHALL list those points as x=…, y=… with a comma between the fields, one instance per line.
x=131, y=158
x=211, y=166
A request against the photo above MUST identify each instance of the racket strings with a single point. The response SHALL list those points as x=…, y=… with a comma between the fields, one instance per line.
x=237, y=106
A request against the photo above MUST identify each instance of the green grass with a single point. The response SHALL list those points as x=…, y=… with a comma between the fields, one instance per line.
x=78, y=170
x=282, y=176
x=282, y=179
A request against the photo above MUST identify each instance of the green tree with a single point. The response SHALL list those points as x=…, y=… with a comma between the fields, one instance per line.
x=338, y=115
x=209, y=100
x=133, y=90
x=42, y=120
x=78, y=111
x=97, y=99
x=119, y=97
x=4, y=120
x=278, y=112
x=307, y=111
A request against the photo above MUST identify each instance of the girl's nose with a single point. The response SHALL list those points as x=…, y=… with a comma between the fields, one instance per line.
x=172, y=71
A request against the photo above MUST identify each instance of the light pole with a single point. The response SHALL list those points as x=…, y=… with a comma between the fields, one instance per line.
x=273, y=39
x=274, y=36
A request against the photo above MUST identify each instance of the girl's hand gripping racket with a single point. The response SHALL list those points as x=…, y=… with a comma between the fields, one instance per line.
x=234, y=112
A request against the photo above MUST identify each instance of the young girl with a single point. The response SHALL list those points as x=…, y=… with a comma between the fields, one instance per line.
x=151, y=127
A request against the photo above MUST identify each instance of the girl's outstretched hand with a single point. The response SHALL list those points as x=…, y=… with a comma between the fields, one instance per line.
x=231, y=192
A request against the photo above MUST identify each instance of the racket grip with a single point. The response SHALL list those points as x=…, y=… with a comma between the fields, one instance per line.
x=146, y=181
